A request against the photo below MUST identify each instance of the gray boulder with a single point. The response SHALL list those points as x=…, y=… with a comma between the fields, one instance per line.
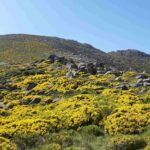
x=25, y=102
x=135, y=85
x=109, y=72
x=115, y=72
x=146, y=84
x=118, y=78
x=82, y=67
x=3, y=106
x=91, y=68
x=71, y=74
x=35, y=101
x=139, y=81
x=141, y=76
x=29, y=92
x=112, y=68
x=146, y=80
x=71, y=65
x=101, y=71
x=52, y=58
x=122, y=87
x=56, y=100
x=61, y=60
x=87, y=68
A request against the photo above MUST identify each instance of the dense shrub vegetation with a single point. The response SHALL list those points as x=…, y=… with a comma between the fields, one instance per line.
x=43, y=109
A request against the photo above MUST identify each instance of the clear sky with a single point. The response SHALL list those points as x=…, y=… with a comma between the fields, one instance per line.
x=106, y=24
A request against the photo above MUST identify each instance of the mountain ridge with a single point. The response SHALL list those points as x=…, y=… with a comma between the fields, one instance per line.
x=24, y=48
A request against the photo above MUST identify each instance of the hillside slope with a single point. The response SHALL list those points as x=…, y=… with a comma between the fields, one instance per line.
x=131, y=60
x=27, y=48
x=21, y=48
x=42, y=108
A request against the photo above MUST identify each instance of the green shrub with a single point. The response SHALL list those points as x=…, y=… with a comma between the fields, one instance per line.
x=52, y=146
x=126, y=142
x=91, y=130
x=27, y=140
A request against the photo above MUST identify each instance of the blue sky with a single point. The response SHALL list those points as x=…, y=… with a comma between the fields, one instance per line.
x=106, y=24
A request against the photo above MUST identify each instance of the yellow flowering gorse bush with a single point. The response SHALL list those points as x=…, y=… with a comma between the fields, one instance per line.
x=70, y=103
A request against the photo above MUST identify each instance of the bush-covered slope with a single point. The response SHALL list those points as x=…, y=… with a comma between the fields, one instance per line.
x=42, y=108
x=20, y=48
x=27, y=48
x=131, y=59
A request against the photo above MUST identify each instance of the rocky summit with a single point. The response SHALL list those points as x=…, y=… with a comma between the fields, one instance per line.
x=59, y=103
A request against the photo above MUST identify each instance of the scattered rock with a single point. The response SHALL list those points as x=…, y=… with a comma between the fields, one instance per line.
x=135, y=85
x=3, y=106
x=40, y=92
x=55, y=100
x=141, y=76
x=71, y=74
x=52, y=58
x=146, y=80
x=29, y=92
x=35, y=101
x=109, y=72
x=31, y=85
x=139, y=81
x=61, y=60
x=112, y=68
x=71, y=65
x=118, y=78
x=87, y=68
x=146, y=84
x=82, y=67
x=117, y=73
x=101, y=71
x=91, y=68
x=122, y=87
x=25, y=102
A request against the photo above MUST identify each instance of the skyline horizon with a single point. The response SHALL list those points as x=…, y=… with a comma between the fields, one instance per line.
x=106, y=51
x=107, y=25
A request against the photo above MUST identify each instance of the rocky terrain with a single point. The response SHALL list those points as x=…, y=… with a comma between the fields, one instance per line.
x=23, y=49
x=59, y=103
